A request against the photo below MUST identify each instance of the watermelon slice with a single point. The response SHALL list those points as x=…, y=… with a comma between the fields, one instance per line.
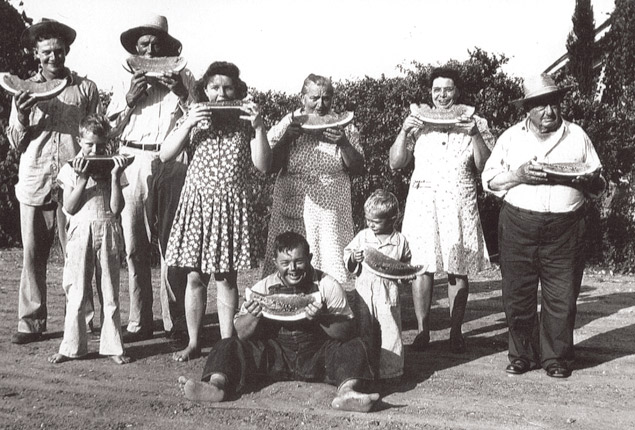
x=387, y=267
x=322, y=122
x=101, y=165
x=283, y=307
x=156, y=66
x=225, y=104
x=568, y=169
x=441, y=116
x=39, y=90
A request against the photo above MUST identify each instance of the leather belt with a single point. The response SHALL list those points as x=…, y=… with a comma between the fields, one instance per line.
x=142, y=146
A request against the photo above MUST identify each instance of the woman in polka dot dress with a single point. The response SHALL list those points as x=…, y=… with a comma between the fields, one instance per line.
x=212, y=233
x=441, y=219
x=312, y=194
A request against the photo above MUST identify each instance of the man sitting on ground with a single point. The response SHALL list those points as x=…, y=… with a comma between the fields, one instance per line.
x=320, y=347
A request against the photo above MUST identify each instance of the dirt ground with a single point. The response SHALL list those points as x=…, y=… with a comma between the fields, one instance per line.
x=440, y=390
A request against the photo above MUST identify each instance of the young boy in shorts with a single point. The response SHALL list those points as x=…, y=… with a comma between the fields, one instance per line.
x=320, y=347
x=94, y=202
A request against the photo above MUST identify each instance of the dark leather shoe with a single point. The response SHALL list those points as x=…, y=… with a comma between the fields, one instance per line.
x=518, y=367
x=457, y=345
x=21, y=338
x=557, y=370
x=137, y=336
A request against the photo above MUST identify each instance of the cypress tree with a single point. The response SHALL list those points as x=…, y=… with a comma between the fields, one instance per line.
x=580, y=46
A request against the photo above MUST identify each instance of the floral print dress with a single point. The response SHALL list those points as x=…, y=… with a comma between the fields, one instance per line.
x=312, y=196
x=212, y=226
x=441, y=219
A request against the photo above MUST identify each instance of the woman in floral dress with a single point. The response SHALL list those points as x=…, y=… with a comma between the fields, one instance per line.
x=441, y=219
x=212, y=233
x=312, y=194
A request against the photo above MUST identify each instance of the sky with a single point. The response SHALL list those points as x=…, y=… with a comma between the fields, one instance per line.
x=277, y=43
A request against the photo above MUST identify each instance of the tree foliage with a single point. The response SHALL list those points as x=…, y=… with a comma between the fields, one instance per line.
x=581, y=46
x=13, y=60
x=620, y=55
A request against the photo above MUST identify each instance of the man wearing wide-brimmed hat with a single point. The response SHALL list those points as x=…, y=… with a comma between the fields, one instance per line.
x=145, y=110
x=541, y=226
x=44, y=132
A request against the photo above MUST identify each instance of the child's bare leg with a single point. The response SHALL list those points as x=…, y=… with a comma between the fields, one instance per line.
x=59, y=358
x=120, y=359
x=422, y=288
x=210, y=392
x=226, y=303
x=348, y=399
x=195, y=301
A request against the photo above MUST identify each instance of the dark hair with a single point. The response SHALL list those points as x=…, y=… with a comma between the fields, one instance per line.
x=448, y=73
x=95, y=123
x=52, y=35
x=289, y=240
x=317, y=80
x=382, y=203
x=224, y=68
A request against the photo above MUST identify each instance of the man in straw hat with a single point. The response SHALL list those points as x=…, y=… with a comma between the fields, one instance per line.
x=541, y=226
x=145, y=110
x=44, y=131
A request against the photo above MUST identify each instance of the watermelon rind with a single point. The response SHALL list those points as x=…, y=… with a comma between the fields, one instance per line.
x=438, y=116
x=372, y=257
x=330, y=120
x=13, y=85
x=101, y=164
x=225, y=105
x=154, y=66
x=576, y=169
x=317, y=296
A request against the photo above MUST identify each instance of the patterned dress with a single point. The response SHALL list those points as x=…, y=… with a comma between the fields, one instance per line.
x=212, y=230
x=312, y=196
x=441, y=219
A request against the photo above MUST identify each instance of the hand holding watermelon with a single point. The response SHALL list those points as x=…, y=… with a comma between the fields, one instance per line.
x=313, y=310
x=138, y=88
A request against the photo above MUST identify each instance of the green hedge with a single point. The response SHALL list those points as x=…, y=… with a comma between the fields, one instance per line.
x=381, y=105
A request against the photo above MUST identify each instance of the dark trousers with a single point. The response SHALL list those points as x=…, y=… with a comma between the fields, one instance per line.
x=547, y=248
x=288, y=356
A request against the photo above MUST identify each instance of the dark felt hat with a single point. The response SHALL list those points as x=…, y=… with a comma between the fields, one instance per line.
x=153, y=24
x=47, y=26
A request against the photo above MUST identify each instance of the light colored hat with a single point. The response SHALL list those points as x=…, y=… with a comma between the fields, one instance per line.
x=153, y=24
x=539, y=86
x=47, y=26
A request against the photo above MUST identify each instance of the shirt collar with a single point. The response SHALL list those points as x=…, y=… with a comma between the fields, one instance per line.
x=393, y=239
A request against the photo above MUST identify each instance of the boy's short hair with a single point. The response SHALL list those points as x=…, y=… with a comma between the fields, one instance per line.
x=285, y=242
x=382, y=203
x=95, y=123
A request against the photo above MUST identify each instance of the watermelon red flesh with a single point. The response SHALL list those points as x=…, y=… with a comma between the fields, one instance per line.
x=155, y=66
x=387, y=267
x=225, y=104
x=567, y=169
x=322, y=122
x=441, y=116
x=40, y=90
x=283, y=307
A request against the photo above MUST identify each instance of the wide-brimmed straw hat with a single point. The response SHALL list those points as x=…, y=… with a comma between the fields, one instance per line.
x=539, y=86
x=47, y=26
x=153, y=24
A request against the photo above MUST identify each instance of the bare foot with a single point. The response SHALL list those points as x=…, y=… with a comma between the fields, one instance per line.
x=188, y=353
x=120, y=359
x=58, y=358
x=354, y=401
x=201, y=391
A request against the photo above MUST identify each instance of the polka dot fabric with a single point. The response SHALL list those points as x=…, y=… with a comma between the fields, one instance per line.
x=212, y=226
x=441, y=219
x=312, y=196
